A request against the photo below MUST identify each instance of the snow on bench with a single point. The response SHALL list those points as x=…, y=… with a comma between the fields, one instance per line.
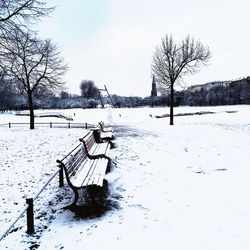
x=82, y=172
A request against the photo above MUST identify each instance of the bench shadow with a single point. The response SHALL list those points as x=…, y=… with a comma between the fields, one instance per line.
x=96, y=202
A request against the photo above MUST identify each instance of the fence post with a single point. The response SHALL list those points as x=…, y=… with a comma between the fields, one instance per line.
x=30, y=216
x=9, y=125
x=69, y=125
x=86, y=125
x=50, y=124
x=61, y=184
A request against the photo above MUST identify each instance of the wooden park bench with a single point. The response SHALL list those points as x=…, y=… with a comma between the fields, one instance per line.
x=95, y=149
x=105, y=130
x=82, y=172
x=103, y=134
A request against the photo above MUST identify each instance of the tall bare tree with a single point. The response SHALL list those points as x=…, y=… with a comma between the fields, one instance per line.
x=34, y=63
x=172, y=61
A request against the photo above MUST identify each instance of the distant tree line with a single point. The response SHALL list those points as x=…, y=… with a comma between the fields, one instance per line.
x=214, y=93
x=15, y=99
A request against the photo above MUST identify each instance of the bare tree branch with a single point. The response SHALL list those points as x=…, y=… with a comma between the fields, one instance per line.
x=19, y=11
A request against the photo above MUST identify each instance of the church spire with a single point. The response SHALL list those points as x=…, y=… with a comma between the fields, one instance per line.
x=153, y=91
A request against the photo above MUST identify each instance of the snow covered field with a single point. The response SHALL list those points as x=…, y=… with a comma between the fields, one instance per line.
x=173, y=187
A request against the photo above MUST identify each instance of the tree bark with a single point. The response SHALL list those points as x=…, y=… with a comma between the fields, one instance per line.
x=31, y=109
x=171, y=104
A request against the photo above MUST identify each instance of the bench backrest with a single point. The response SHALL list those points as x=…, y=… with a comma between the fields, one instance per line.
x=73, y=161
x=89, y=140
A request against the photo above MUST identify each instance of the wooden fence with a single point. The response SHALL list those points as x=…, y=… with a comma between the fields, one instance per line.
x=51, y=124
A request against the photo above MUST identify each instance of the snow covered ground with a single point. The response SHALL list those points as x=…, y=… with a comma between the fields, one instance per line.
x=172, y=187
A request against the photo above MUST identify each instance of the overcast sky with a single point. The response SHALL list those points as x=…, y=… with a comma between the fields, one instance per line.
x=112, y=41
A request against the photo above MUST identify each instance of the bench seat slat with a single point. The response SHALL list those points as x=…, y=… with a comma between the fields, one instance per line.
x=80, y=176
x=96, y=173
x=100, y=169
x=105, y=135
x=88, y=181
x=100, y=149
x=91, y=180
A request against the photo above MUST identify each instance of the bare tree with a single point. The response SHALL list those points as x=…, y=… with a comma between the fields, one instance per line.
x=172, y=61
x=34, y=63
x=13, y=12
x=89, y=89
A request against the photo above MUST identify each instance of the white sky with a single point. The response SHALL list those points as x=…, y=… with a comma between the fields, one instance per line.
x=112, y=41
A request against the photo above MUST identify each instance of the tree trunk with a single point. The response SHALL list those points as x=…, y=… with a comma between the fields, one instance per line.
x=31, y=109
x=172, y=104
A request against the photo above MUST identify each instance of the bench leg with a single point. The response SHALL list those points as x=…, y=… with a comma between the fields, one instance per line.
x=73, y=204
x=91, y=195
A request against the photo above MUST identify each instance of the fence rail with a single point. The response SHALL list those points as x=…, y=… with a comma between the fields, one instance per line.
x=51, y=124
x=29, y=207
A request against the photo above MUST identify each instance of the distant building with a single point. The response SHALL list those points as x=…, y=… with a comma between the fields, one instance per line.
x=242, y=89
x=154, y=90
x=211, y=85
x=208, y=86
x=219, y=93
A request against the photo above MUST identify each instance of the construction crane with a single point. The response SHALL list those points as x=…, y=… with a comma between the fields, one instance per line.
x=105, y=90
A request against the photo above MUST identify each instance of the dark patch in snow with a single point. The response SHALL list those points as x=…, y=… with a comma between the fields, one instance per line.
x=97, y=202
x=186, y=114
x=124, y=131
x=231, y=111
x=138, y=206
x=15, y=229
x=220, y=169
x=34, y=246
x=200, y=172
